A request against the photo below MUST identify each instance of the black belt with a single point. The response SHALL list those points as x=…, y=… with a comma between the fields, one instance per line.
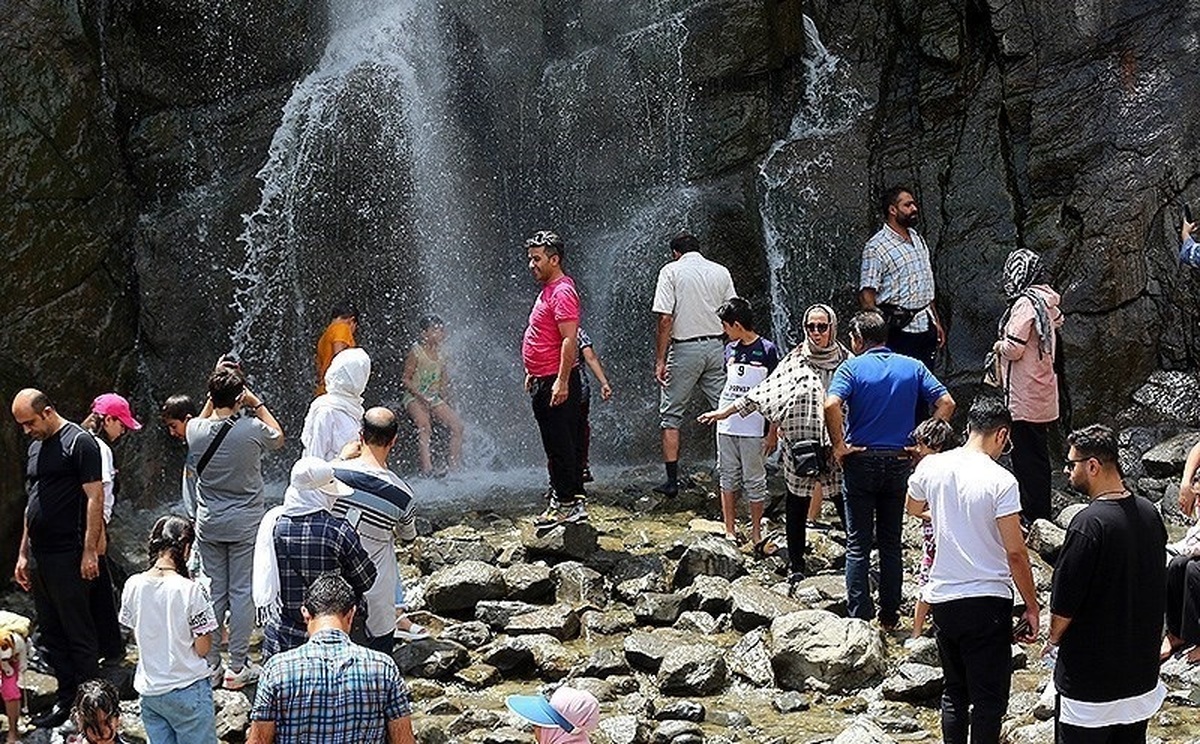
x=876, y=452
x=694, y=338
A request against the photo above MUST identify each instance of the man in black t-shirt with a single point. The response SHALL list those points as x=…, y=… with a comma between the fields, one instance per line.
x=1107, y=602
x=58, y=558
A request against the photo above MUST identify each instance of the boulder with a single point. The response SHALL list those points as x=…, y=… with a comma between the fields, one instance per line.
x=443, y=706
x=653, y=608
x=570, y=540
x=709, y=556
x=461, y=586
x=646, y=650
x=529, y=582
x=708, y=594
x=693, y=670
x=750, y=659
x=677, y=732
x=497, y=613
x=472, y=719
x=1046, y=539
x=1037, y=733
x=823, y=592
x=511, y=656
x=552, y=660
x=624, y=729
x=824, y=553
x=432, y=658
x=505, y=735
x=478, y=675
x=471, y=634
x=630, y=590
x=923, y=650
x=790, y=701
x=841, y=653
x=232, y=711
x=913, y=683
x=603, y=663
x=601, y=688
x=702, y=623
x=680, y=710
x=559, y=621
x=1166, y=459
x=1066, y=515
x=579, y=586
x=609, y=622
x=863, y=731
x=753, y=606
x=437, y=552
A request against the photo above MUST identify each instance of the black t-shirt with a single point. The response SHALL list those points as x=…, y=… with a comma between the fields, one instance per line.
x=54, y=477
x=1111, y=580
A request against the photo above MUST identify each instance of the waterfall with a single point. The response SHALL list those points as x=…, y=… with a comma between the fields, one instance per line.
x=792, y=184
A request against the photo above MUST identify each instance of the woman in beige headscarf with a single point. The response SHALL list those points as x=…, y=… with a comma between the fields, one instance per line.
x=824, y=354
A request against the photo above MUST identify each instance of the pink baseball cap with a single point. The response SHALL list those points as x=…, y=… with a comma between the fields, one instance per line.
x=111, y=404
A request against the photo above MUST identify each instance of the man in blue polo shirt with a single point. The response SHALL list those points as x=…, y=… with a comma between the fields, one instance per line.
x=881, y=390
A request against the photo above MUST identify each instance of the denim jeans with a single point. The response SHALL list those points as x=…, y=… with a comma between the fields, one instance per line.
x=183, y=716
x=974, y=638
x=874, y=486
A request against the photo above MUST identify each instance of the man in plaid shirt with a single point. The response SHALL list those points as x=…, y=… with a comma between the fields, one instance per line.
x=897, y=276
x=330, y=689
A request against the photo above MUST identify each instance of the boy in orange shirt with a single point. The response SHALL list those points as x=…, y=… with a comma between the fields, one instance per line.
x=338, y=335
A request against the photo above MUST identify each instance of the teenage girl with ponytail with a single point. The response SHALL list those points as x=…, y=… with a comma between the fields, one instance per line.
x=172, y=620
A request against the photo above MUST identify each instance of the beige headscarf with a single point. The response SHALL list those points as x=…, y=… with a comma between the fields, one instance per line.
x=829, y=357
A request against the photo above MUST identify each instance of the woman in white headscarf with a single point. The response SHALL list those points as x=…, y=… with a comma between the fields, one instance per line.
x=335, y=418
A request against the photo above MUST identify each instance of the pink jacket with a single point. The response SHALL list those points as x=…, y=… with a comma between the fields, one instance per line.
x=1030, y=383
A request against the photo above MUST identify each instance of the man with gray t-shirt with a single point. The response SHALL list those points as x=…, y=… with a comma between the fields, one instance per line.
x=228, y=449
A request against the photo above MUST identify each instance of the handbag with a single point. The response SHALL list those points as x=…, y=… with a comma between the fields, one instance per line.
x=993, y=372
x=810, y=458
x=897, y=317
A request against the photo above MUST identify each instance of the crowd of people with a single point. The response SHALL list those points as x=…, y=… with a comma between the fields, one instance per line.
x=863, y=422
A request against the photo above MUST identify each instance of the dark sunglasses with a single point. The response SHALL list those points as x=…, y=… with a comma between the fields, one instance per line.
x=1070, y=464
x=817, y=327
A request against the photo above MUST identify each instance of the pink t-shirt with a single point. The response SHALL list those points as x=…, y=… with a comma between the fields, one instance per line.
x=558, y=302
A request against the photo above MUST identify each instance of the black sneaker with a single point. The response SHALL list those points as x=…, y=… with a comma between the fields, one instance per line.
x=670, y=488
x=52, y=718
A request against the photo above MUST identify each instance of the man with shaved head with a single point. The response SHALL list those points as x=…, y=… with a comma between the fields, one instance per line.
x=380, y=507
x=59, y=554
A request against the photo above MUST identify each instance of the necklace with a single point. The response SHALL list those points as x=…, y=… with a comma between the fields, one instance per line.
x=165, y=568
x=1105, y=496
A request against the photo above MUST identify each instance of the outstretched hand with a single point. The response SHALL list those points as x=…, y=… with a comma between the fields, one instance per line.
x=710, y=417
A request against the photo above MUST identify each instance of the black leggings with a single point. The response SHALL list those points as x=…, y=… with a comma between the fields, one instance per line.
x=796, y=515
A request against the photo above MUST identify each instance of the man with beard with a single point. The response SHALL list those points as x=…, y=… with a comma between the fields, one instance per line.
x=897, y=280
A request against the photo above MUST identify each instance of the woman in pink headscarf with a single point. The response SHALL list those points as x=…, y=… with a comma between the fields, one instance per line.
x=566, y=718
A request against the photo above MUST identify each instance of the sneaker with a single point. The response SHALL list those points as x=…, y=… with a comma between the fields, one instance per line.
x=587, y=475
x=550, y=515
x=576, y=511
x=415, y=632
x=247, y=676
x=216, y=675
x=670, y=488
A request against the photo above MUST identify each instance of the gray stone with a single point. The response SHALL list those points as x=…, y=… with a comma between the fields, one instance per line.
x=609, y=622
x=708, y=594
x=923, y=650
x=579, y=586
x=552, y=660
x=603, y=689
x=863, y=731
x=471, y=634
x=913, y=683
x=734, y=719
x=824, y=592
x=473, y=719
x=631, y=590
x=1020, y=659
x=497, y=613
x=624, y=729
x=232, y=713
x=680, y=710
x=709, y=555
x=1065, y=516
x=437, y=552
x=750, y=659
x=842, y=653
x=695, y=670
x=478, y=675
x=529, y=582
x=1046, y=539
x=676, y=732
x=658, y=609
x=559, y=621
x=752, y=606
x=432, y=658
x=512, y=656
x=426, y=731
x=646, y=651
x=425, y=689
x=1166, y=459
x=791, y=701
x=461, y=586
x=824, y=553
x=443, y=706
x=506, y=735
x=603, y=663
x=570, y=540
x=896, y=717
x=694, y=621
x=1038, y=733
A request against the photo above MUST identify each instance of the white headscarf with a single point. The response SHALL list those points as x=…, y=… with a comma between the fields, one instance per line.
x=313, y=489
x=345, y=381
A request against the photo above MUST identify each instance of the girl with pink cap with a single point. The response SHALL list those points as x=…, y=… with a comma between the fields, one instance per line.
x=566, y=718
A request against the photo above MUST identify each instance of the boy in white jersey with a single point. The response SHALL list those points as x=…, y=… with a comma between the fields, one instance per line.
x=743, y=442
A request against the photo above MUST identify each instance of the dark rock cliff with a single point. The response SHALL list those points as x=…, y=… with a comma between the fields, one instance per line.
x=134, y=134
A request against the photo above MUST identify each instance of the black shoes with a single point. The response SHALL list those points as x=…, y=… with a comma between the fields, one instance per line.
x=52, y=718
x=670, y=488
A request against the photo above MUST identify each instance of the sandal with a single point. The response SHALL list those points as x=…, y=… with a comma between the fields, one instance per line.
x=765, y=548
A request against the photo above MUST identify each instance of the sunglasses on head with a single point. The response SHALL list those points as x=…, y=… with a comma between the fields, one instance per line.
x=817, y=327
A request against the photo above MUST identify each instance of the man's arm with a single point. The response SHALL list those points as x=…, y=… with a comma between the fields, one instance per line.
x=937, y=325
x=914, y=507
x=89, y=567
x=1187, y=494
x=867, y=298
x=1018, y=564
x=251, y=400
x=21, y=572
x=593, y=363
x=261, y=732
x=569, y=330
x=943, y=407
x=834, y=424
x=662, y=340
x=399, y=731
x=1058, y=626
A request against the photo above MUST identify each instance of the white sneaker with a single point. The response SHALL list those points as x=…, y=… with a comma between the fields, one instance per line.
x=247, y=676
x=216, y=675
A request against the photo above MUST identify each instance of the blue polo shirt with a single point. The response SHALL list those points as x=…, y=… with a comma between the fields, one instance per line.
x=881, y=389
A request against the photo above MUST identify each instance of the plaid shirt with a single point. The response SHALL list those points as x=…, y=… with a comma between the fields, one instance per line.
x=900, y=273
x=794, y=398
x=306, y=547
x=332, y=691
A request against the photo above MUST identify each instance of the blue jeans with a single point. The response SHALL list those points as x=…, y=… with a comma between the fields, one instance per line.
x=874, y=487
x=183, y=716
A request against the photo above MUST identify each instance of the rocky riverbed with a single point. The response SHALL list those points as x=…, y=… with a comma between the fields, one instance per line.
x=683, y=637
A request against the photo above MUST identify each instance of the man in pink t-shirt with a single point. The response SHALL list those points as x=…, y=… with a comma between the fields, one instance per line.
x=550, y=350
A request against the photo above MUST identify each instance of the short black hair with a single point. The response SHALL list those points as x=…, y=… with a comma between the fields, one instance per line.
x=988, y=414
x=936, y=434
x=550, y=242
x=92, y=697
x=891, y=195
x=329, y=594
x=870, y=327
x=179, y=407
x=380, y=426
x=737, y=310
x=225, y=385
x=1096, y=441
x=344, y=309
x=684, y=243
x=429, y=321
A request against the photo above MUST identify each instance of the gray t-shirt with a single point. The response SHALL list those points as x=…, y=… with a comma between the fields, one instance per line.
x=229, y=493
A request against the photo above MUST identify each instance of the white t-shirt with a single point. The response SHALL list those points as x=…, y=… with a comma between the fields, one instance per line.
x=967, y=491
x=108, y=476
x=690, y=290
x=740, y=378
x=166, y=614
